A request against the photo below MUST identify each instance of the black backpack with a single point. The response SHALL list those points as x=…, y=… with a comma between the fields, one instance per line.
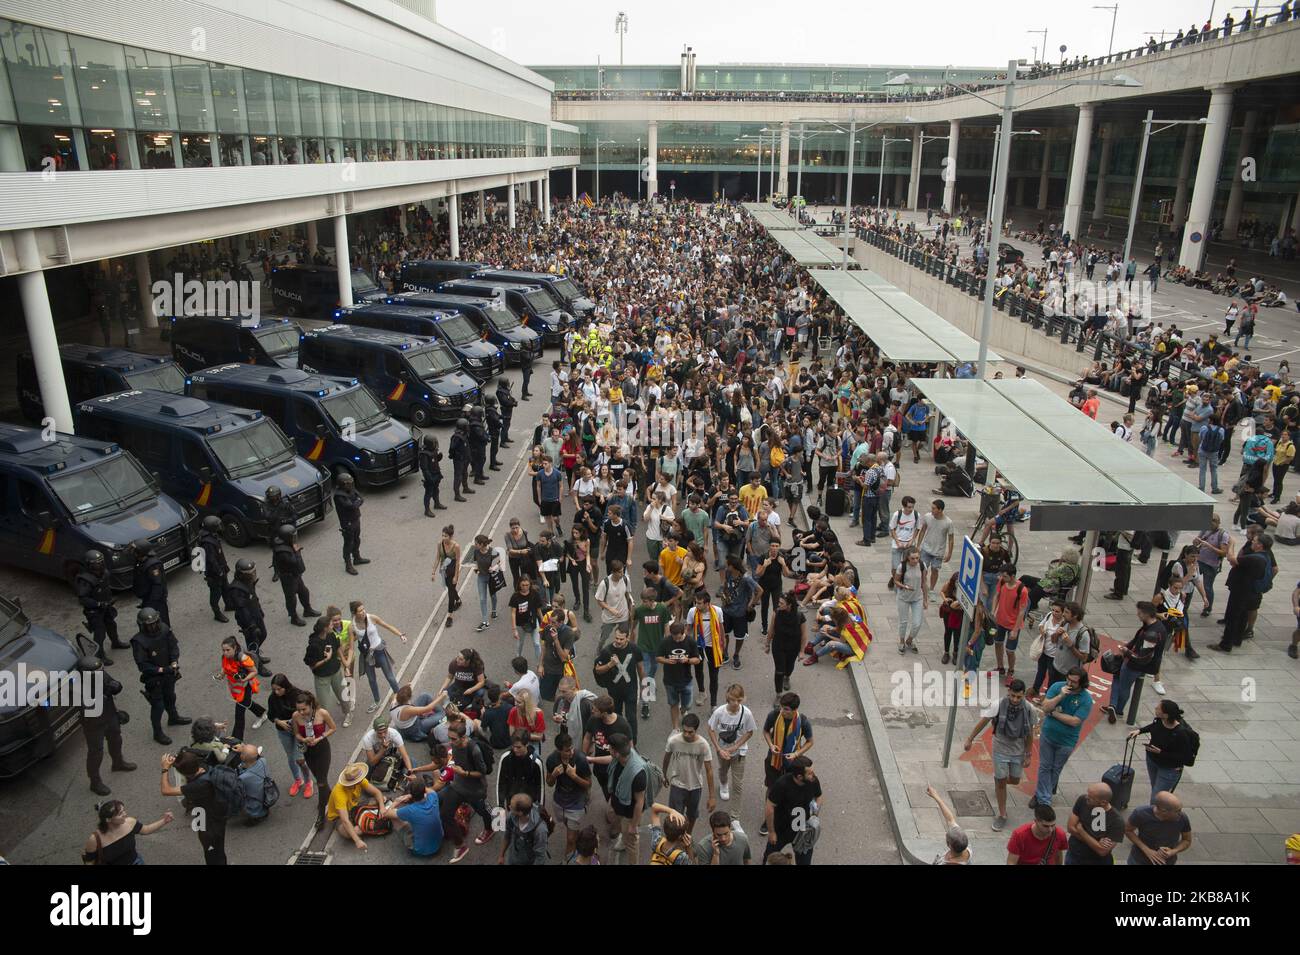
x=225, y=781
x=1193, y=744
x=1213, y=439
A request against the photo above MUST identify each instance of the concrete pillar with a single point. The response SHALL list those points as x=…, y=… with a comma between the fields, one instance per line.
x=900, y=189
x=481, y=218
x=1078, y=171
x=914, y=177
x=313, y=241
x=1103, y=167
x=716, y=177
x=453, y=224
x=573, y=182
x=1179, y=210
x=1207, y=176
x=1020, y=192
x=142, y=283
x=950, y=170
x=546, y=199
x=342, y=260
x=1043, y=184
x=652, y=161
x=510, y=206
x=40, y=332
x=1281, y=219
x=783, y=178
x=1295, y=215
x=1232, y=215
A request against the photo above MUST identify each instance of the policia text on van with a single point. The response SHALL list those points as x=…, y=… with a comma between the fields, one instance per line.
x=61, y=498
x=201, y=342
x=221, y=458
x=336, y=422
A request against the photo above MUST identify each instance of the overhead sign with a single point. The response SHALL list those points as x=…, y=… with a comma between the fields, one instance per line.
x=969, y=575
x=1195, y=237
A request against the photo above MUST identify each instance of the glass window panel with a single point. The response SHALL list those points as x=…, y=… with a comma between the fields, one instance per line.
x=259, y=99
x=40, y=74
x=151, y=88
x=366, y=113
x=285, y=91
x=397, y=113
x=383, y=125
x=309, y=108
x=331, y=110
x=102, y=88
x=228, y=98
x=193, y=89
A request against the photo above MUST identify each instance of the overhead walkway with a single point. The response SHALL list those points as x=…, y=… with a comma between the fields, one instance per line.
x=774, y=220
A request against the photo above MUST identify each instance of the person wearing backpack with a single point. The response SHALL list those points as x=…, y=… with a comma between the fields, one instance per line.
x=260, y=790
x=629, y=790
x=526, y=833
x=471, y=767
x=1014, y=727
x=1173, y=745
x=205, y=800
x=670, y=839
x=1141, y=657
x=1211, y=435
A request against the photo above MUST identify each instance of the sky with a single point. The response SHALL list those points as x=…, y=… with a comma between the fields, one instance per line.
x=865, y=32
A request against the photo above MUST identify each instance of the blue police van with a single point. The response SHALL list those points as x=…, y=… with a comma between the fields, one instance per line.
x=530, y=303
x=312, y=291
x=201, y=341
x=568, y=294
x=480, y=358
x=425, y=275
x=218, y=457
x=30, y=730
x=90, y=371
x=417, y=377
x=332, y=421
x=490, y=316
x=64, y=496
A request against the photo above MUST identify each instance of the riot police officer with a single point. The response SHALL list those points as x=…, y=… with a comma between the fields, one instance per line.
x=493, y=429
x=347, y=503
x=286, y=557
x=94, y=588
x=101, y=721
x=278, y=513
x=507, y=402
x=242, y=597
x=216, y=571
x=526, y=369
x=150, y=580
x=458, y=451
x=478, y=443
x=158, y=658
x=431, y=473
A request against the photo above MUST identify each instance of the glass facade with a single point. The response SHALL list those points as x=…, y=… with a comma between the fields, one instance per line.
x=70, y=102
x=773, y=78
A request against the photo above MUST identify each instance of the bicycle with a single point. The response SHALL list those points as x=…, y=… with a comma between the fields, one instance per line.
x=992, y=504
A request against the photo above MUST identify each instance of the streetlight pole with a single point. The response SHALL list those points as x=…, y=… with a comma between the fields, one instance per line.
x=1114, y=13
x=638, y=167
x=620, y=27
x=880, y=185
x=599, y=143
x=798, y=188
x=1043, y=32
x=1147, y=133
x=848, y=195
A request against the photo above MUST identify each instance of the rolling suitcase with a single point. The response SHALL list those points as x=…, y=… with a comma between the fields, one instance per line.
x=1120, y=777
x=836, y=502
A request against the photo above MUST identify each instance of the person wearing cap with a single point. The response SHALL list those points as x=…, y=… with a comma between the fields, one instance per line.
x=346, y=797
x=381, y=740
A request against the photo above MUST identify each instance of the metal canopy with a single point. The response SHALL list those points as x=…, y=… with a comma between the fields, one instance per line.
x=1076, y=474
x=774, y=220
x=809, y=250
x=902, y=328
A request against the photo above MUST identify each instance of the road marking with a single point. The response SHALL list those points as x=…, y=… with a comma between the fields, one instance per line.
x=508, y=487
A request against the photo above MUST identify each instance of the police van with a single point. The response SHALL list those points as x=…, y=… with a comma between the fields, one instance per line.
x=417, y=377
x=219, y=457
x=425, y=275
x=90, y=371
x=202, y=341
x=62, y=497
x=480, y=358
x=336, y=422
x=567, y=293
x=490, y=317
x=530, y=303
x=312, y=291
x=31, y=730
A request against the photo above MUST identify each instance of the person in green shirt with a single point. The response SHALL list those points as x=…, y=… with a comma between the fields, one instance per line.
x=697, y=521
x=651, y=616
x=347, y=649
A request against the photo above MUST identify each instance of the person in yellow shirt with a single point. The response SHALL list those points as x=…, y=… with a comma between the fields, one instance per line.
x=345, y=797
x=753, y=494
x=670, y=559
x=1283, y=455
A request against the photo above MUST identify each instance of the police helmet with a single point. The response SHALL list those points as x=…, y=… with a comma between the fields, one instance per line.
x=490, y=401
x=212, y=524
x=462, y=422
x=345, y=481
x=94, y=560
x=286, y=533
x=273, y=495
x=142, y=548
x=149, y=621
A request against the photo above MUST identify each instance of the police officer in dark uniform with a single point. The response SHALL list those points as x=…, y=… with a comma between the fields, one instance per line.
x=95, y=591
x=216, y=571
x=507, y=402
x=158, y=658
x=286, y=557
x=101, y=722
x=242, y=598
x=478, y=443
x=278, y=513
x=526, y=369
x=150, y=580
x=347, y=503
x=493, y=428
x=431, y=473
x=458, y=451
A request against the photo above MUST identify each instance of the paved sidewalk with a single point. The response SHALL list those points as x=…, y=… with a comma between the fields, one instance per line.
x=1243, y=794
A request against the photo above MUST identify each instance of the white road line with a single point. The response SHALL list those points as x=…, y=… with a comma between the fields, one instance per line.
x=506, y=488
x=1280, y=354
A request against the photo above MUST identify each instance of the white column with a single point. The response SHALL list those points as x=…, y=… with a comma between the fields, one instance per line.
x=313, y=241
x=1207, y=176
x=1078, y=171
x=481, y=219
x=1179, y=211
x=1103, y=167
x=142, y=284
x=652, y=155
x=914, y=179
x=1295, y=214
x=453, y=224
x=1232, y=215
x=573, y=182
x=783, y=179
x=510, y=206
x=950, y=170
x=1043, y=183
x=546, y=199
x=342, y=261
x=40, y=332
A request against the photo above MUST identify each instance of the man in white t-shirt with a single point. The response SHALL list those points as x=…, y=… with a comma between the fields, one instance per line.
x=935, y=538
x=382, y=740
x=903, y=525
x=613, y=596
x=730, y=728
x=888, y=479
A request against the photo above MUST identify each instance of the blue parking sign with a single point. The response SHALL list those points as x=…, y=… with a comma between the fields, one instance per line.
x=968, y=574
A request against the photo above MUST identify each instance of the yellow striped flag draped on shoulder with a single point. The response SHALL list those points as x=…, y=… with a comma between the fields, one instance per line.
x=857, y=634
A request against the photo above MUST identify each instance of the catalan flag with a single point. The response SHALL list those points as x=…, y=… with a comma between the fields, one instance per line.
x=585, y=200
x=856, y=633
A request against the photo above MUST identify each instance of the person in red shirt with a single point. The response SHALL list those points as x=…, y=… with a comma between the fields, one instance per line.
x=525, y=715
x=1009, y=604
x=1092, y=404
x=1040, y=842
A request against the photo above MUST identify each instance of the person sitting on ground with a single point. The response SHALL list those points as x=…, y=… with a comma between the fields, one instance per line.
x=352, y=791
x=1286, y=523
x=1062, y=574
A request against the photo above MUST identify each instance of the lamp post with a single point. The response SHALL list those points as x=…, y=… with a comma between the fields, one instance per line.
x=599, y=143
x=638, y=167
x=848, y=182
x=1043, y=33
x=1010, y=85
x=1114, y=13
x=997, y=135
x=880, y=185
x=1147, y=133
x=620, y=27
x=758, y=171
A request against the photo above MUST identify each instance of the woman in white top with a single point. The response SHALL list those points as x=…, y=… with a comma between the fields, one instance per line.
x=371, y=649
x=657, y=512
x=584, y=485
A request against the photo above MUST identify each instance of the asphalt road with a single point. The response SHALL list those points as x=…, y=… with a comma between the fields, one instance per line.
x=46, y=814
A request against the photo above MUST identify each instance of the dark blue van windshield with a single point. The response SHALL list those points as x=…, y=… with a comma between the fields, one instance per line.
x=251, y=449
x=105, y=485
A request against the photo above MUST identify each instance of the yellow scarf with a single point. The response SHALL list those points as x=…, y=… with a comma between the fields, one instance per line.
x=779, y=728
x=715, y=634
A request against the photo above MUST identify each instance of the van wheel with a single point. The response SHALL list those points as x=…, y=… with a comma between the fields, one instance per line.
x=421, y=416
x=234, y=530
